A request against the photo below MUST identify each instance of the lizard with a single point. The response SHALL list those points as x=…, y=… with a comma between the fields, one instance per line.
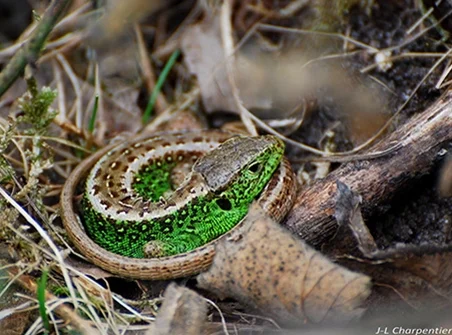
x=130, y=225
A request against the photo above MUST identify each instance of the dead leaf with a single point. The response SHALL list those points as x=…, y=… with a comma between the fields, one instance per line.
x=204, y=55
x=271, y=270
x=435, y=269
x=183, y=312
x=410, y=282
x=419, y=274
x=348, y=213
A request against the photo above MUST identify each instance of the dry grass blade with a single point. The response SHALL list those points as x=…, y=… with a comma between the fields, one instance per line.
x=46, y=238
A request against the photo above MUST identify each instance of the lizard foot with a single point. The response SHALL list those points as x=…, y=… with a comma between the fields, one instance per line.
x=154, y=249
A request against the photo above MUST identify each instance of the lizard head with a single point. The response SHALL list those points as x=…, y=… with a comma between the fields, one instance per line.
x=240, y=168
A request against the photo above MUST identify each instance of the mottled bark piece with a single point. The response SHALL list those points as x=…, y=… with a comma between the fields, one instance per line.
x=268, y=268
x=183, y=312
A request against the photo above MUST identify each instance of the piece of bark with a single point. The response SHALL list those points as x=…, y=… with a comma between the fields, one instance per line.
x=271, y=270
x=419, y=141
x=183, y=312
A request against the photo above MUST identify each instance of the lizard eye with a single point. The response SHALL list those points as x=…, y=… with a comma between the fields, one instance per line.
x=224, y=204
x=255, y=167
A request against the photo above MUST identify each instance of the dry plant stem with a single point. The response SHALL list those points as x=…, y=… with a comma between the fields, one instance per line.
x=228, y=45
x=419, y=142
x=30, y=51
x=63, y=311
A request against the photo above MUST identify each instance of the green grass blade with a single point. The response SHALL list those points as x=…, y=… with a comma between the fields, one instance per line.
x=159, y=84
x=92, y=120
x=41, y=293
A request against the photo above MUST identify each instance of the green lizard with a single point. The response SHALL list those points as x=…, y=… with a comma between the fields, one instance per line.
x=125, y=206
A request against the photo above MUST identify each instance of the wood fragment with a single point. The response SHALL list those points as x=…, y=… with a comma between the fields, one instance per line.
x=420, y=142
x=267, y=268
x=183, y=312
